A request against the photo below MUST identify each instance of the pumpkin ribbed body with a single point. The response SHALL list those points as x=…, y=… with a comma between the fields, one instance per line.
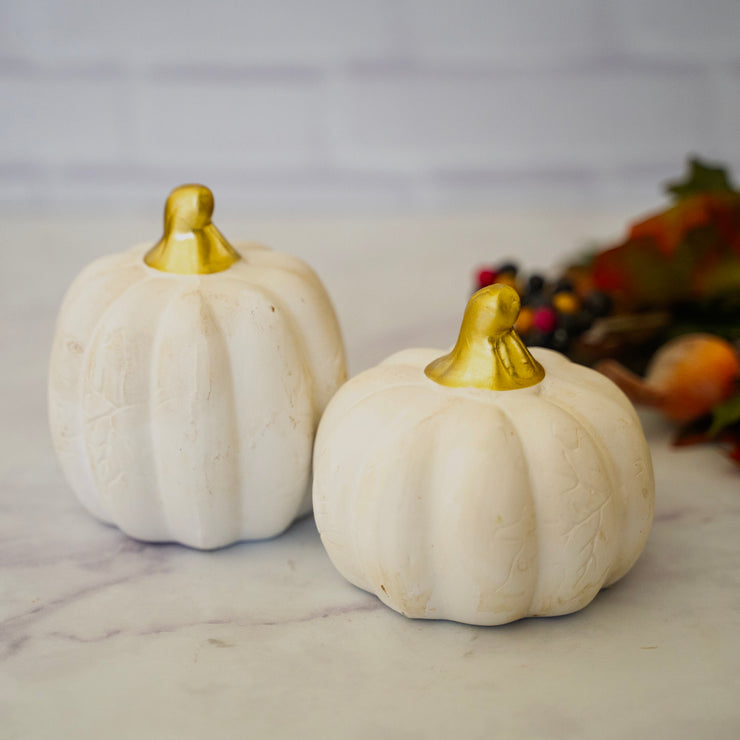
x=184, y=407
x=482, y=506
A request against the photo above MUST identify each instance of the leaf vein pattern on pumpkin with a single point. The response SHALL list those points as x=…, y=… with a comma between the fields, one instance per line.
x=514, y=561
x=595, y=530
x=590, y=544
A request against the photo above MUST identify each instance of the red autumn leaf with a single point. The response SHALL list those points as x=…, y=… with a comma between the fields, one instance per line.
x=669, y=228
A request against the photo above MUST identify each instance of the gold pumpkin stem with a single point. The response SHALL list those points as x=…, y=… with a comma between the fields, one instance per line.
x=489, y=353
x=191, y=244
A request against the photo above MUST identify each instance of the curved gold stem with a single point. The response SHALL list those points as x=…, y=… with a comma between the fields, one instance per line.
x=489, y=353
x=191, y=244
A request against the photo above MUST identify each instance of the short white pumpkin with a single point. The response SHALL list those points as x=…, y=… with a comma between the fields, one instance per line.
x=187, y=381
x=449, y=499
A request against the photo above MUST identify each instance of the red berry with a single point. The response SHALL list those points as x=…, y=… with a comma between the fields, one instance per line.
x=486, y=276
x=545, y=319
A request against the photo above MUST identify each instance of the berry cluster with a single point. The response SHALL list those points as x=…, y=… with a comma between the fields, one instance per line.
x=553, y=312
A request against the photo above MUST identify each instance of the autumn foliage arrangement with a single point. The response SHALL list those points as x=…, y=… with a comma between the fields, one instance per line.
x=659, y=312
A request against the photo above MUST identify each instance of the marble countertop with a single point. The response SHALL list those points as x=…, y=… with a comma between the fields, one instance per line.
x=102, y=636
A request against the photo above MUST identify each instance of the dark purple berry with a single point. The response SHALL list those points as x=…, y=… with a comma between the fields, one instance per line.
x=560, y=340
x=510, y=267
x=564, y=285
x=598, y=303
x=535, y=284
x=575, y=323
x=537, y=338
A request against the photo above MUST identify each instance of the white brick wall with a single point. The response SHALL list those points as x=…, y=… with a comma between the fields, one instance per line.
x=137, y=33
x=526, y=33
x=265, y=120
x=599, y=118
x=696, y=30
x=363, y=104
x=57, y=119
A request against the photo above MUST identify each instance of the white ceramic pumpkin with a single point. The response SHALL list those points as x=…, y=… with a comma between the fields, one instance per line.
x=450, y=499
x=187, y=381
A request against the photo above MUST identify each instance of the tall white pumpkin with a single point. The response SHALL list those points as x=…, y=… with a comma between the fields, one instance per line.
x=484, y=486
x=187, y=381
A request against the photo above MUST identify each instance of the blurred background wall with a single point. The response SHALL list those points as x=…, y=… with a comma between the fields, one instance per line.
x=338, y=104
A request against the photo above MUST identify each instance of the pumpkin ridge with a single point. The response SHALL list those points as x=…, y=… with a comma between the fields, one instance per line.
x=356, y=573
x=605, y=462
x=195, y=507
x=622, y=405
x=271, y=298
x=530, y=494
x=237, y=502
x=95, y=330
x=475, y=569
x=217, y=338
x=405, y=427
x=70, y=412
x=360, y=576
x=240, y=515
x=548, y=508
x=431, y=503
x=318, y=296
x=154, y=355
x=119, y=305
x=428, y=526
x=294, y=382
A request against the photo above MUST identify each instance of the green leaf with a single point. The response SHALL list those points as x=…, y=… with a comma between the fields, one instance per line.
x=724, y=414
x=701, y=178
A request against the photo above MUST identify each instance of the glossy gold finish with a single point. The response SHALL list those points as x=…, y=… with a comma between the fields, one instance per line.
x=191, y=244
x=489, y=353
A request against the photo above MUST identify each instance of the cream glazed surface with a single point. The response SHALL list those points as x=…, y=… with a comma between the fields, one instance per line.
x=482, y=506
x=183, y=407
